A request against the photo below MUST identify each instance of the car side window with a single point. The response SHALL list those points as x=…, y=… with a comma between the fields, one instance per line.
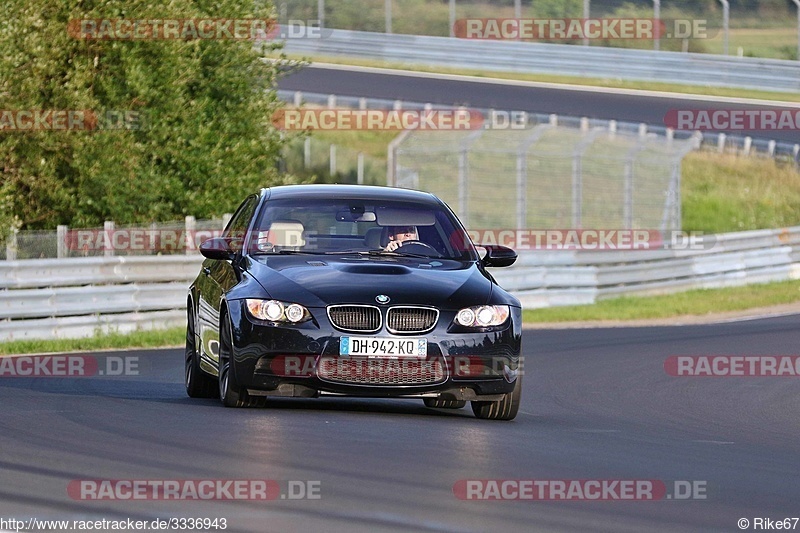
x=237, y=227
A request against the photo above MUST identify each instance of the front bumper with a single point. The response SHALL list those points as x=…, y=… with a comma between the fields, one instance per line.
x=303, y=360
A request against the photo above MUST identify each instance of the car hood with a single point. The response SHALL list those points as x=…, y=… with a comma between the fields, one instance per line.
x=320, y=281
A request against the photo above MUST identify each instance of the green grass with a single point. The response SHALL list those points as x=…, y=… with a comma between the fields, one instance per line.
x=694, y=302
x=723, y=193
x=139, y=339
x=372, y=143
x=571, y=80
x=775, y=43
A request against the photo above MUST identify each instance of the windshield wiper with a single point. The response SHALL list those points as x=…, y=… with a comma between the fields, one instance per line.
x=310, y=252
x=287, y=252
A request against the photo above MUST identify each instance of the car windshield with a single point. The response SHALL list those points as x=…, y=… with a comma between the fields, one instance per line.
x=343, y=226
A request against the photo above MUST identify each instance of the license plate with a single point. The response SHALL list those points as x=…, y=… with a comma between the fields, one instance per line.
x=383, y=347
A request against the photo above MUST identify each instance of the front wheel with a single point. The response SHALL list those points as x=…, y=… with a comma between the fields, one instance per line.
x=229, y=391
x=505, y=409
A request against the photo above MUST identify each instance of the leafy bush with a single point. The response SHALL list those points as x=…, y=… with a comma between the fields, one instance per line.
x=201, y=137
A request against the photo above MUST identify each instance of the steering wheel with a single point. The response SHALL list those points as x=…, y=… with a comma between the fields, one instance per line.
x=414, y=242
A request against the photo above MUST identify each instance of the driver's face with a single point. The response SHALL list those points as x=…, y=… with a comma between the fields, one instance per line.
x=403, y=233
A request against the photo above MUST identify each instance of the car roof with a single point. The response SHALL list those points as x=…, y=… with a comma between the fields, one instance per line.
x=359, y=192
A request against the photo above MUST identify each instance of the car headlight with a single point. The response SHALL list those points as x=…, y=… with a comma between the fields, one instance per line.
x=276, y=311
x=482, y=316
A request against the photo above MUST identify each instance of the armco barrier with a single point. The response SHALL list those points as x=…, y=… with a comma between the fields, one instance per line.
x=62, y=298
x=549, y=278
x=68, y=298
x=557, y=59
x=48, y=273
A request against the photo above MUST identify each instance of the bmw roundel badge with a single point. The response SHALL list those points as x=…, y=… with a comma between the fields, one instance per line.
x=382, y=299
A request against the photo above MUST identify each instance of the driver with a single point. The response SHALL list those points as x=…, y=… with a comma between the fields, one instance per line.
x=400, y=234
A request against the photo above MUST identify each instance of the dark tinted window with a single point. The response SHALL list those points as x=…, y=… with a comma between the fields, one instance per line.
x=238, y=225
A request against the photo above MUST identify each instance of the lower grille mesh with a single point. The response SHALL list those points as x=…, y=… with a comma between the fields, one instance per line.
x=402, y=371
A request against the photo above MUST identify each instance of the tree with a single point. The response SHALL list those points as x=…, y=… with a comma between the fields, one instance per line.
x=196, y=134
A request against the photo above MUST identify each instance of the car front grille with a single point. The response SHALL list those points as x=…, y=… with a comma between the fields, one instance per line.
x=411, y=319
x=363, y=371
x=364, y=318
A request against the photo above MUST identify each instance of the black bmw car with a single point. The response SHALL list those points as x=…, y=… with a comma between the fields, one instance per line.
x=353, y=291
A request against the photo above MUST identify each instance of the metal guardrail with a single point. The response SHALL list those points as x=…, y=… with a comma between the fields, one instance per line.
x=83, y=326
x=559, y=59
x=67, y=298
x=76, y=272
x=61, y=298
x=545, y=278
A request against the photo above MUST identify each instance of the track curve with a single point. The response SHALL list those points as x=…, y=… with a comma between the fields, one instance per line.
x=608, y=105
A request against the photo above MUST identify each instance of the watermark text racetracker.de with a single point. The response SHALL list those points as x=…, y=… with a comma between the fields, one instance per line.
x=589, y=239
x=213, y=29
x=732, y=365
x=565, y=29
x=137, y=239
x=346, y=119
x=580, y=489
x=379, y=368
x=193, y=489
x=28, y=120
x=737, y=119
x=68, y=366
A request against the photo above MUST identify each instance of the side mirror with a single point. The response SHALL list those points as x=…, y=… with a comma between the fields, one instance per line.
x=498, y=256
x=218, y=248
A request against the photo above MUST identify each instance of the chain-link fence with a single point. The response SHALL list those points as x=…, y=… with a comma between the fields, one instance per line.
x=722, y=143
x=555, y=173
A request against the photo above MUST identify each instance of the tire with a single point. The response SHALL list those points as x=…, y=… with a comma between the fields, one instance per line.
x=444, y=404
x=505, y=409
x=198, y=383
x=229, y=391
